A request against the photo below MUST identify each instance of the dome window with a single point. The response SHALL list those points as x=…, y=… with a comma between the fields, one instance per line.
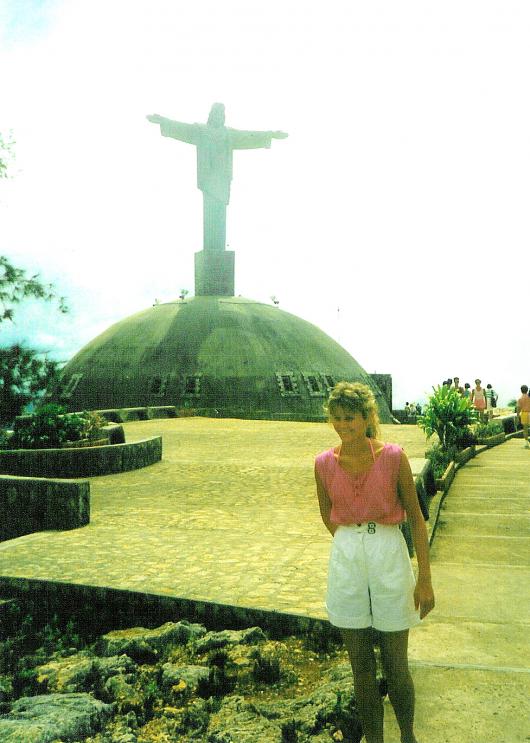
x=329, y=381
x=71, y=386
x=314, y=385
x=287, y=384
x=192, y=385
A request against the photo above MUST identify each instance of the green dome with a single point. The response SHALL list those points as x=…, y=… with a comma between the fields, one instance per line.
x=219, y=356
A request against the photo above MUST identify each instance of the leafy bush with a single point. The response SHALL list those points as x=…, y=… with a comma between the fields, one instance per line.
x=266, y=669
x=466, y=438
x=447, y=414
x=218, y=683
x=51, y=426
x=4, y=438
x=440, y=458
x=289, y=732
x=485, y=430
x=322, y=640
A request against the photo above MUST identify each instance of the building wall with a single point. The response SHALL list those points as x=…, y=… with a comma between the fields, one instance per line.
x=384, y=382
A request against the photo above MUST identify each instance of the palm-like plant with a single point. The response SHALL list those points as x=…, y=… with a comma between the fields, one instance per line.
x=447, y=414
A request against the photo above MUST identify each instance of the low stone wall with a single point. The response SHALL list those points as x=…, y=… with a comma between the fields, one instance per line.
x=109, y=608
x=122, y=415
x=90, y=462
x=509, y=422
x=29, y=504
x=403, y=417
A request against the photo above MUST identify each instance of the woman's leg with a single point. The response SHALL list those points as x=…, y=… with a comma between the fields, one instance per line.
x=359, y=644
x=394, y=649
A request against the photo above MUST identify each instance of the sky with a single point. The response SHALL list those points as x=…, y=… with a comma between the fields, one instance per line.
x=394, y=216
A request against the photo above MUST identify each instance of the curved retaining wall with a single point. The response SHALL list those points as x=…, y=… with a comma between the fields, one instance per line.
x=30, y=504
x=111, y=608
x=87, y=462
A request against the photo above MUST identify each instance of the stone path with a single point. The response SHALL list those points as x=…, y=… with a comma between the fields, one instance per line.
x=472, y=660
x=230, y=516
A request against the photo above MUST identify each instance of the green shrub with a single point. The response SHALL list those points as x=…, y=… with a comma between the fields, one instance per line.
x=447, y=414
x=266, y=669
x=466, y=438
x=218, y=683
x=491, y=428
x=322, y=640
x=290, y=732
x=52, y=426
x=4, y=439
x=440, y=458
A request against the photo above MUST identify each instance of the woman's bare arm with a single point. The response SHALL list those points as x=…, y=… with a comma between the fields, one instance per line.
x=324, y=504
x=423, y=595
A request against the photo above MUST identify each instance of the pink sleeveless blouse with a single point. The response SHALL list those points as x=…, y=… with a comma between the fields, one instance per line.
x=368, y=496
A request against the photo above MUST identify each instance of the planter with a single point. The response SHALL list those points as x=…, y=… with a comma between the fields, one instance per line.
x=74, y=462
x=465, y=455
x=83, y=443
x=444, y=482
x=493, y=440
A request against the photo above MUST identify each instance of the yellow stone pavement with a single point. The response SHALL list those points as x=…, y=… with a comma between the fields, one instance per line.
x=230, y=516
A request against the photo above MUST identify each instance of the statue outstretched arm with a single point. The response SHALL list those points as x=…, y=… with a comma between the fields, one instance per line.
x=175, y=129
x=248, y=140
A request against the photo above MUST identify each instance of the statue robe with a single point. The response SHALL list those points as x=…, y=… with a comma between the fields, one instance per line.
x=214, y=152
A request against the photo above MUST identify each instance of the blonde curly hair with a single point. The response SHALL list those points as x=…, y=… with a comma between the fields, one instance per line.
x=357, y=398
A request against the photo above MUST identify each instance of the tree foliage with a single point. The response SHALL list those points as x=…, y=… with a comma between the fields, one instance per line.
x=449, y=415
x=16, y=285
x=6, y=153
x=24, y=378
x=24, y=373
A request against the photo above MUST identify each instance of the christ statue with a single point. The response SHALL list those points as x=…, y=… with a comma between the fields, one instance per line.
x=215, y=143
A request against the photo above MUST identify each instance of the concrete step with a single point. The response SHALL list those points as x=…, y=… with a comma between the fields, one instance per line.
x=458, y=705
x=482, y=550
x=469, y=524
x=480, y=592
x=466, y=501
x=467, y=642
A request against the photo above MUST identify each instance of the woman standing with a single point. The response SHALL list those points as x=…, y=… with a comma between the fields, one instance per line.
x=478, y=399
x=365, y=490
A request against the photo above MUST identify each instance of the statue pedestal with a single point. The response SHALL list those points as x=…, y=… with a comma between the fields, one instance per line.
x=214, y=273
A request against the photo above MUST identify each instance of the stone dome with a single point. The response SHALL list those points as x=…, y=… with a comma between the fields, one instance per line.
x=215, y=355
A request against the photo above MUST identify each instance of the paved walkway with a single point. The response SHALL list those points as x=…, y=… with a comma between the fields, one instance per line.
x=479, y=631
x=230, y=516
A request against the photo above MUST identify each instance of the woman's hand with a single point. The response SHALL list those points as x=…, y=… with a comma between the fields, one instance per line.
x=423, y=597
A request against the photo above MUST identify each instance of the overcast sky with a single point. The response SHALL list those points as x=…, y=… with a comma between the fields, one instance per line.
x=394, y=217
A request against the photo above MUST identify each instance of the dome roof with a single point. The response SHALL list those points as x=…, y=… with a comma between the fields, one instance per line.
x=219, y=356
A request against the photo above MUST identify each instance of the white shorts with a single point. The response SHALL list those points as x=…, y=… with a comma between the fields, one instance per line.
x=370, y=579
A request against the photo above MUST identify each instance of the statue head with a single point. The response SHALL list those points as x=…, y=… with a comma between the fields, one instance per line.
x=216, y=116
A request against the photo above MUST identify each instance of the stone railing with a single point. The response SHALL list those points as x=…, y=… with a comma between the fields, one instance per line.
x=83, y=462
x=29, y=504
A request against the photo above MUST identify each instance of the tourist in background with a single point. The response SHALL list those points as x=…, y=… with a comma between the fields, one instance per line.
x=365, y=490
x=456, y=385
x=491, y=400
x=467, y=391
x=478, y=399
x=523, y=411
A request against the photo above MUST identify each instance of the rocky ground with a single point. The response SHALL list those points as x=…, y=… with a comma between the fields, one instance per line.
x=174, y=684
